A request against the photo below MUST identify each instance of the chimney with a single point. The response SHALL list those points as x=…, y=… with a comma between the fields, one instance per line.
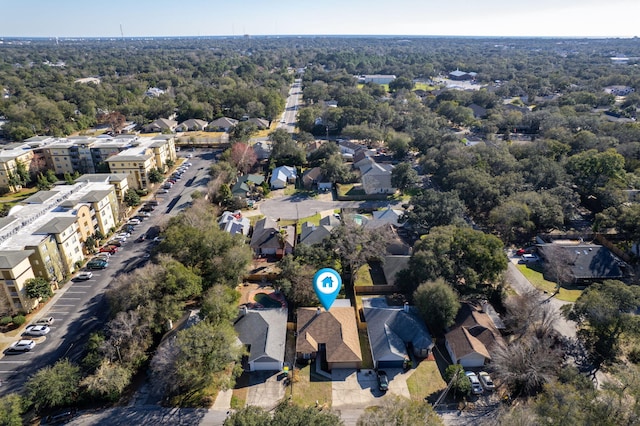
x=318, y=311
x=406, y=307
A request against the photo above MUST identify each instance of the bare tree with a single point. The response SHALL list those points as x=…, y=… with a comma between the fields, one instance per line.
x=528, y=314
x=557, y=264
x=526, y=364
x=129, y=338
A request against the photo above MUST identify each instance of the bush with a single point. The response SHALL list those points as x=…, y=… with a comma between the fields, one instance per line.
x=19, y=320
x=6, y=320
x=634, y=354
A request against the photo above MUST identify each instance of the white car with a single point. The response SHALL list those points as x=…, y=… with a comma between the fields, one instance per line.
x=123, y=234
x=86, y=275
x=134, y=222
x=163, y=191
x=22, y=346
x=37, y=330
x=476, y=387
x=486, y=381
x=44, y=321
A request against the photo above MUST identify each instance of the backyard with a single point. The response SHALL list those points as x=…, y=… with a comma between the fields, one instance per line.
x=533, y=273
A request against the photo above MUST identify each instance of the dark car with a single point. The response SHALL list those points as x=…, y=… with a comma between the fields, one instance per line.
x=97, y=264
x=383, y=381
x=141, y=238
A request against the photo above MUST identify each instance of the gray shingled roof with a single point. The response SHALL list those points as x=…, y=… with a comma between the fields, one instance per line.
x=265, y=331
x=95, y=196
x=10, y=258
x=391, y=329
x=41, y=197
x=56, y=225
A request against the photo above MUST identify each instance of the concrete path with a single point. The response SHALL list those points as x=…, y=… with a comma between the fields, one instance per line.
x=521, y=285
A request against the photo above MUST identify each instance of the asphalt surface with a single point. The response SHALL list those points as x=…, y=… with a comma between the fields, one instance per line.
x=79, y=307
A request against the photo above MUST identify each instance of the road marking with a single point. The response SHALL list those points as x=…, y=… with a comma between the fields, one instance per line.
x=13, y=362
x=69, y=298
x=60, y=312
x=75, y=292
x=58, y=305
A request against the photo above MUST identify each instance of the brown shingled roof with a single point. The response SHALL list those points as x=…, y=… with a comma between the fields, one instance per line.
x=337, y=329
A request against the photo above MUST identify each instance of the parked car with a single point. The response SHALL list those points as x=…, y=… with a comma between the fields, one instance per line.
x=141, y=238
x=85, y=275
x=37, y=330
x=167, y=185
x=60, y=417
x=383, y=381
x=133, y=222
x=486, y=381
x=144, y=214
x=128, y=228
x=116, y=243
x=109, y=249
x=97, y=264
x=528, y=258
x=476, y=387
x=102, y=256
x=22, y=346
x=147, y=208
x=44, y=321
x=163, y=191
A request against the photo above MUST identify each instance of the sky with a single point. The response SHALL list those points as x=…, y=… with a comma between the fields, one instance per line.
x=139, y=18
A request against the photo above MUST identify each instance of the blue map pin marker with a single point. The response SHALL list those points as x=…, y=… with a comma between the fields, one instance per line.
x=327, y=284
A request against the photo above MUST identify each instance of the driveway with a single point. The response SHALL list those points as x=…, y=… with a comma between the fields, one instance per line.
x=521, y=285
x=352, y=390
x=265, y=389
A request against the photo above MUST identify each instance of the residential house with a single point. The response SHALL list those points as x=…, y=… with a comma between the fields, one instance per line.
x=478, y=111
x=222, y=124
x=473, y=338
x=312, y=234
x=234, y=223
x=268, y=239
x=619, y=90
x=161, y=125
x=263, y=332
x=585, y=263
x=386, y=217
x=191, y=124
x=348, y=148
x=244, y=185
x=314, y=178
x=393, y=332
x=281, y=176
x=261, y=123
x=330, y=337
x=376, y=178
x=262, y=150
x=462, y=75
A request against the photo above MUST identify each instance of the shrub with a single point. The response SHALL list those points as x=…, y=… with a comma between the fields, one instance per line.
x=634, y=354
x=6, y=320
x=19, y=320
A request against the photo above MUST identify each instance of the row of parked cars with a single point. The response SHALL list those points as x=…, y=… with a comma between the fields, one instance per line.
x=480, y=382
x=176, y=176
x=39, y=328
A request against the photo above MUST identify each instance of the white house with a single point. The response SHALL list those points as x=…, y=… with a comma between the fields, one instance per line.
x=281, y=176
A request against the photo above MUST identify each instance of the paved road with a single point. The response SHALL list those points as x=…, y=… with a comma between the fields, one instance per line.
x=288, y=120
x=521, y=285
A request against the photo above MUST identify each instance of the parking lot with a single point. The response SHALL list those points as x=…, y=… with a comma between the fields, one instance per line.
x=79, y=307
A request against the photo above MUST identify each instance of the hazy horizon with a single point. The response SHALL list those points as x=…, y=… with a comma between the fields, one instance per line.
x=409, y=18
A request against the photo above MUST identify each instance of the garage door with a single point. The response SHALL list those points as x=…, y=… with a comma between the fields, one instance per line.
x=267, y=366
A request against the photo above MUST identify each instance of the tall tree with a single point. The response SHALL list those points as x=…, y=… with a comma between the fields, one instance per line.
x=53, y=386
x=404, y=177
x=438, y=304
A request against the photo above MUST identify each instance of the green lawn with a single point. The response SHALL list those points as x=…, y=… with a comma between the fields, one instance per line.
x=308, y=388
x=363, y=276
x=423, y=86
x=535, y=277
x=425, y=380
x=365, y=347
